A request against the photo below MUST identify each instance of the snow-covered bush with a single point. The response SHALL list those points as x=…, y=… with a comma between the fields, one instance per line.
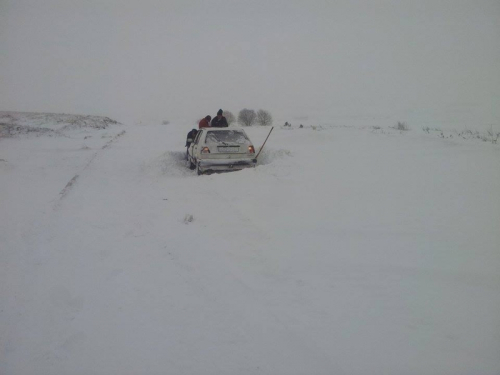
x=493, y=135
x=247, y=117
x=264, y=117
x=402, y=126
x=229, y=117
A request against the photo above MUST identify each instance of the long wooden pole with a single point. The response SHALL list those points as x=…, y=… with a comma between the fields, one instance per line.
x=264, y=143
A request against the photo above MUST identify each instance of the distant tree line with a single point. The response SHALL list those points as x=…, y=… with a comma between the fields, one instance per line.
x=248, y=117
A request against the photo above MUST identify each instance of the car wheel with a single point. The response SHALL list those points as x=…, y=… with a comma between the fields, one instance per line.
x=192, y=166
x=198, y=170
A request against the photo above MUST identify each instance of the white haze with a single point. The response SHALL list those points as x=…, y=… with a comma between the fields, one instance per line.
x=425, y=61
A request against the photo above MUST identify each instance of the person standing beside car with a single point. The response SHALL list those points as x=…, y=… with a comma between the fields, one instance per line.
x=204, y=122
x=219, y=121
x=190, y=139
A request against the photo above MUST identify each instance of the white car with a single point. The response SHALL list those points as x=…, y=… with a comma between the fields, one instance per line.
x=221, y=149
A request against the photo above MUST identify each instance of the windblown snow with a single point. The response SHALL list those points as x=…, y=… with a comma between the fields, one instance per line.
x=347, y=250
x=15, y=123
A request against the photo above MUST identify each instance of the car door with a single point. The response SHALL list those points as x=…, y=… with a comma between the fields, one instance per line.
x=193, y=149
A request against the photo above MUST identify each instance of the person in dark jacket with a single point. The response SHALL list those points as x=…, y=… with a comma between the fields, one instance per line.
x=190, y=139
x=204, y=122
x=219, y=121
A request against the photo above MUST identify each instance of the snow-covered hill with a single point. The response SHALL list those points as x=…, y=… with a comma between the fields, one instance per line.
x=345, y=251
x=22, y=123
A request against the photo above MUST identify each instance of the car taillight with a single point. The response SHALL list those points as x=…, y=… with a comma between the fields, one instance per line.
x=251, y=150
x=205, y=150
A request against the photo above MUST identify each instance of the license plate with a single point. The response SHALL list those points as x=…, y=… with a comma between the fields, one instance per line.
x=228, y=148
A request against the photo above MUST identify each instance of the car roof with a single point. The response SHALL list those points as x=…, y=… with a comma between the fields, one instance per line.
x=222, y=129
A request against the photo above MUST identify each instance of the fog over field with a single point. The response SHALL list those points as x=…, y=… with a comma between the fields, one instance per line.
x=425, y=62
x=365, y=240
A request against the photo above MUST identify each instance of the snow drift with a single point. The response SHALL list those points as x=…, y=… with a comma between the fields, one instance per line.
x=16, y=123
x=345, y=251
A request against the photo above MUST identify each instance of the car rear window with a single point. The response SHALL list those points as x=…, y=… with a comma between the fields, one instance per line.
x=233, y=136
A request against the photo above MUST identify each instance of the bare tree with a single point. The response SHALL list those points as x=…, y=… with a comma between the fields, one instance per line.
x=229, y=117
x=402, y=126
x=264, y=117
x=247, y=117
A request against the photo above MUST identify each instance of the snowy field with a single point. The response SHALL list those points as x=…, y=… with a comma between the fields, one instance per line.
x=347, y=250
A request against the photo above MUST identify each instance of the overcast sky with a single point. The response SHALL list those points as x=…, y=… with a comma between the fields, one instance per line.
x=170, y=59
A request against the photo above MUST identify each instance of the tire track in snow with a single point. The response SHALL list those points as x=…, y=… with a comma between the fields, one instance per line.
x=72, y=182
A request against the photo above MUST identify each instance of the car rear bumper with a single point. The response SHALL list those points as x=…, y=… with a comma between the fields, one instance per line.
x=226, y=164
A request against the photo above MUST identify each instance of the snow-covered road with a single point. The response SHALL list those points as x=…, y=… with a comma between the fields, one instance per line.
x=346, y=251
